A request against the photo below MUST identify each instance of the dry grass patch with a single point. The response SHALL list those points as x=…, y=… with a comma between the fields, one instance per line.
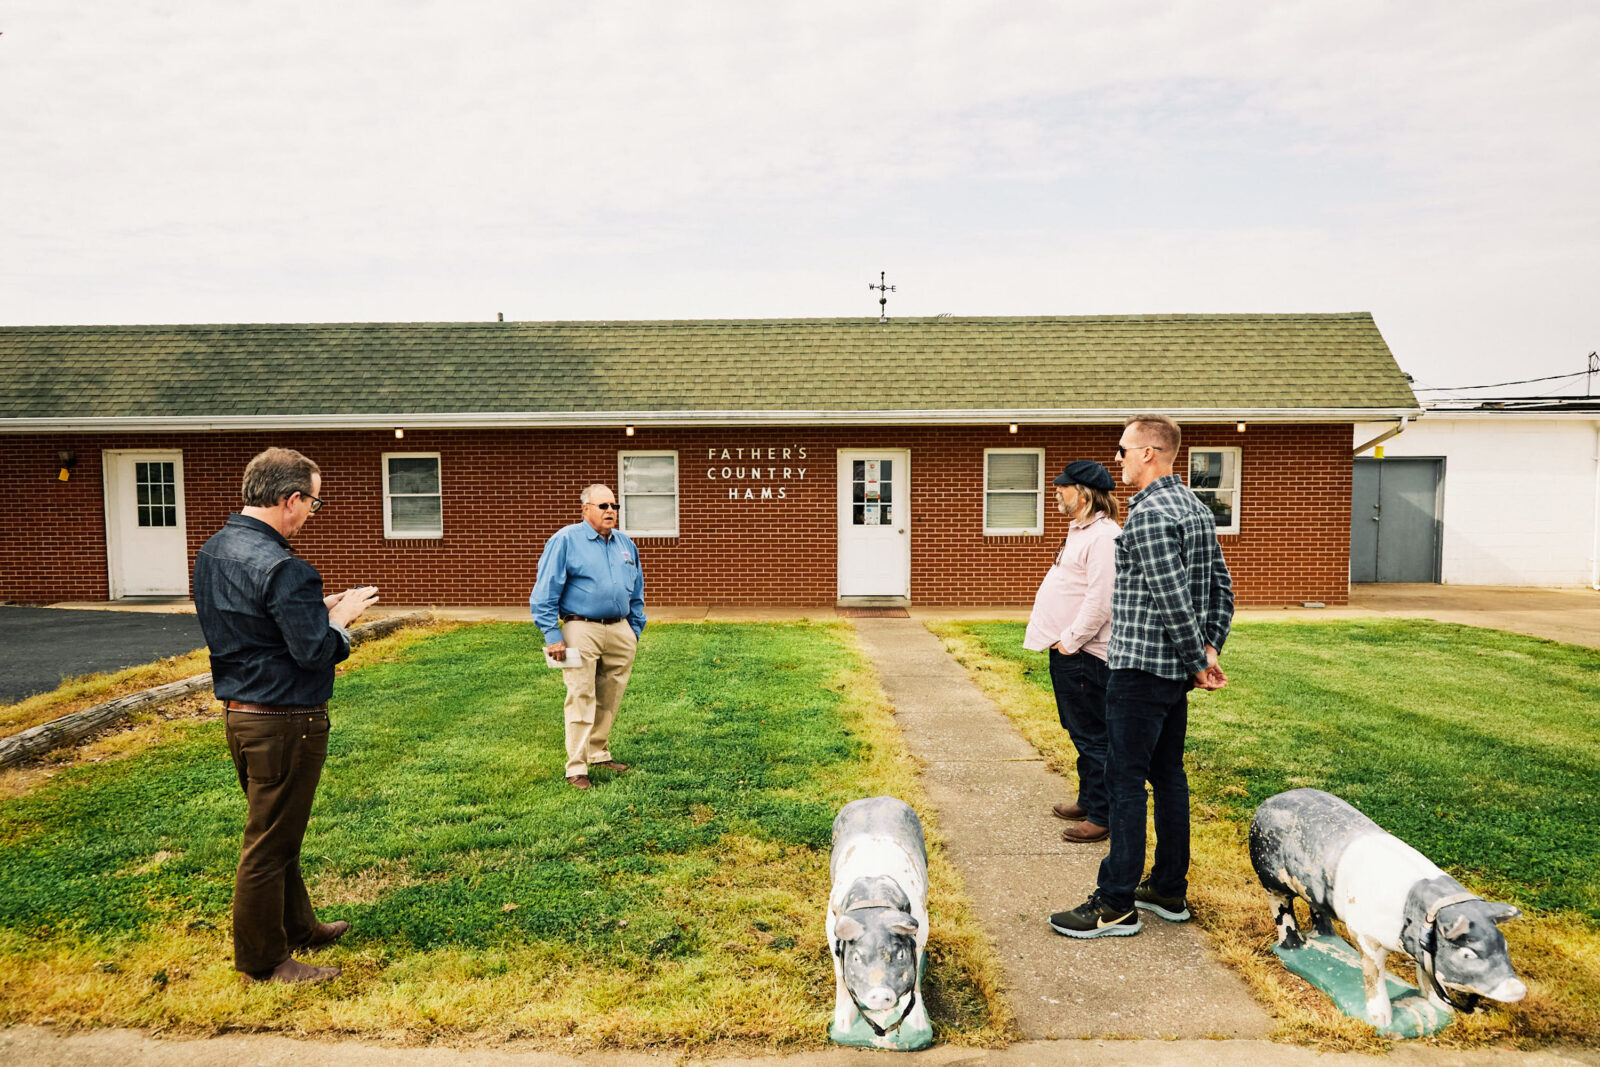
x=1557, y=952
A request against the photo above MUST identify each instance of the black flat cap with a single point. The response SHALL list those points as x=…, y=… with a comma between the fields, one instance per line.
x=1086, y=472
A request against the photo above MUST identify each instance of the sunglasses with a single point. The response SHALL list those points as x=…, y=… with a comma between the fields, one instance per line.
x=605, y=507
x=1122, y=450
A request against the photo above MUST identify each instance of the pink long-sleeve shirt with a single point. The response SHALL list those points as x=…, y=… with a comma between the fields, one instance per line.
x=1073, y=605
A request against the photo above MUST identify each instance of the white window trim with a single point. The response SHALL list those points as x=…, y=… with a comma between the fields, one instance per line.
x=1037, y=528
x=388, y=527
x=1238, y=479
x=677, y=493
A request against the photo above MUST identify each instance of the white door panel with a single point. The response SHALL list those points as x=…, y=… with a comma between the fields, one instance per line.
x=146, y=546
x=874, y=522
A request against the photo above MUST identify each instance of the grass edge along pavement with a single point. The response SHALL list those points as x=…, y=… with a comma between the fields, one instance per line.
x=749, y=902
x=153, y=724
x=1557, y=951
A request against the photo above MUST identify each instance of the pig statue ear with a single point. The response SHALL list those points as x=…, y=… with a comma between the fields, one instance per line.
x=1499, y=913
x=847, y=929
x=904, y=924
x=1457, y=929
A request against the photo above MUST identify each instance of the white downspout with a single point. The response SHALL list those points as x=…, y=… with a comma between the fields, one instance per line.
x=1594, y=554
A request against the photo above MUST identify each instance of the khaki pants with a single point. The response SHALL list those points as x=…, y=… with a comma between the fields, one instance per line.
x=594, y=690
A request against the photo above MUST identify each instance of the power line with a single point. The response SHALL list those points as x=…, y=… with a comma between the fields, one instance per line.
x=1498, y=385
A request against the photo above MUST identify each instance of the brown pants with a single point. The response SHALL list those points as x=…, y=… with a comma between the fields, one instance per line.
x=279, y=759
x=594, y=690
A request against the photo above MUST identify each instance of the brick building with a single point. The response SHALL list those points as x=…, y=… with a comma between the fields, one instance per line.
x=756, y=461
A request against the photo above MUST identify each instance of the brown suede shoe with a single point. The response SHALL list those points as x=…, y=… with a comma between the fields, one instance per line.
x=325, y=934
x=293, y=972
x=611, y=765
x=1070, y=812
x=1085, y=833
x=579, y=781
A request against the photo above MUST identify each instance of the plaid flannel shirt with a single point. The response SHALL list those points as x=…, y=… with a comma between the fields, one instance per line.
x=1173, y=594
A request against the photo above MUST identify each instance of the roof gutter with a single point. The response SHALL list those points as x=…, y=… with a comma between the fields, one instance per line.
x=501, y=420
x=1394, y=431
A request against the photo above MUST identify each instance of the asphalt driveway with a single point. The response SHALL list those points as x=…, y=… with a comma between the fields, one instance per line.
x=41, y=646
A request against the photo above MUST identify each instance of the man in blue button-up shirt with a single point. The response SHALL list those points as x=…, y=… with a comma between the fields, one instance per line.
x=588, y=601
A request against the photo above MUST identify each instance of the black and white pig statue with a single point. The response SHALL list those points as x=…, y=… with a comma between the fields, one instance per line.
x=1310, y=844
x=877, y=925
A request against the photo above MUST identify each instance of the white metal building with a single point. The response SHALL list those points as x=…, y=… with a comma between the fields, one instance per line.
x=1503, y=492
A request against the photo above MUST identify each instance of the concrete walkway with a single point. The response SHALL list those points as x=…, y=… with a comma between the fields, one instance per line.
x=30, y=1046
x=993, y=796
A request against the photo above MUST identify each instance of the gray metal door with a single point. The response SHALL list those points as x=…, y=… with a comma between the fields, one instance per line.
x=1394, y=520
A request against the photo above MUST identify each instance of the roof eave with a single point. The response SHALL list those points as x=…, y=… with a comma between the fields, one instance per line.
x=501, y=420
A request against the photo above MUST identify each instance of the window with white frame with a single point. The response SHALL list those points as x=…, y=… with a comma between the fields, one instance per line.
x=648, y=492
x=1214, y=477
x=412, y=498
x=1013, y=491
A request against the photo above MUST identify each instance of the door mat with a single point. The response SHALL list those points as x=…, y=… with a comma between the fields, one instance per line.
x=872, y=613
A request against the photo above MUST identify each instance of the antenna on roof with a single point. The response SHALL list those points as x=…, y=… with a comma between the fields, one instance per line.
x=883, y=301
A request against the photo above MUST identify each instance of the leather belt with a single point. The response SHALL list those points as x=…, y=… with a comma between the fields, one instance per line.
x=272, y=709
x=585, y=618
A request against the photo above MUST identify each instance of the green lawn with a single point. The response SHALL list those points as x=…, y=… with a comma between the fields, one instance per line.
x=681, y=902
x=1478, y=747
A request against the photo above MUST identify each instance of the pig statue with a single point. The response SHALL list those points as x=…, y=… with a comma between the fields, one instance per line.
x=1310, y=844
x=877, y=925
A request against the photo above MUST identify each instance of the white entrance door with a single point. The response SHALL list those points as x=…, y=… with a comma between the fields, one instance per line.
x=146, y=550
x=874, y=523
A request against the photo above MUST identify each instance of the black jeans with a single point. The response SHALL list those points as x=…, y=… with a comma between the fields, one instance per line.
x=279, y=759
x=1147, y=718
x=1079, y=681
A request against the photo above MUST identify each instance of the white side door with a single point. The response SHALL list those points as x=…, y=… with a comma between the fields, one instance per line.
x=874, y=522
x=146, y=544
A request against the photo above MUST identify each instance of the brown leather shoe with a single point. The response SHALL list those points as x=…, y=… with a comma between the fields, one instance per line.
x=293, y=972
x=579, y=781
x=610, y=765
x=326, y=934
x=1070, y=812
x=1085, y=833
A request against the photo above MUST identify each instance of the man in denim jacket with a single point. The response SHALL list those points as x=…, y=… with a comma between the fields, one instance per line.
x=274, y=640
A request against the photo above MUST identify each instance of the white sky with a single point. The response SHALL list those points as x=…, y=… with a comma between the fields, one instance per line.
x=1435, y=163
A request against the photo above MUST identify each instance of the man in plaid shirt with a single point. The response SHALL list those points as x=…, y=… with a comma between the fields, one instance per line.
x=1171, y=608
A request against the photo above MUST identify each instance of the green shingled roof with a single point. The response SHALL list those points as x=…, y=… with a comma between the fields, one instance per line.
x=1166, y=362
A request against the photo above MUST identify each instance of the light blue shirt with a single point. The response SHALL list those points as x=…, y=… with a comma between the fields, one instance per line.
x=583, y=573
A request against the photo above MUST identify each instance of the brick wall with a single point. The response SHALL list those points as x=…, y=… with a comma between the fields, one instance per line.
x=505, y=491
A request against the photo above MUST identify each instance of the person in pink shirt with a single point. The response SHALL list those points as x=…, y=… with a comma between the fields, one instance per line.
x=1072, y=619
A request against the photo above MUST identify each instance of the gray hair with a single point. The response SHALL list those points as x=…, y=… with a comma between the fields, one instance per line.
x=275, y=474
x=588, y=491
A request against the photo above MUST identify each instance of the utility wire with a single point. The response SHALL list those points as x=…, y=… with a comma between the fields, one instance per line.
x=1498, y=385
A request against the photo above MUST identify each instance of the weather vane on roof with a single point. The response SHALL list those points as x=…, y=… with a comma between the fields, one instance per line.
x=883, y=301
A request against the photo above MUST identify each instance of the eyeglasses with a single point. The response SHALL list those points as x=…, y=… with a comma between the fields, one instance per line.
x=1122, y=450
x=604, y=507
x=316, y=502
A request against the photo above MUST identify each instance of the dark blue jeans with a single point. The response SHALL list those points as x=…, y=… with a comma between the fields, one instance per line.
x=1079, y=681
x=1147, y=718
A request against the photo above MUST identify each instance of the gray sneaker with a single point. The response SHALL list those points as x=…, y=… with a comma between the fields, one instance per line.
x=1172, y=909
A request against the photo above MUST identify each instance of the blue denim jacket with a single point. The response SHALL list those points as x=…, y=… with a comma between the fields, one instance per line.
x=261, y=610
